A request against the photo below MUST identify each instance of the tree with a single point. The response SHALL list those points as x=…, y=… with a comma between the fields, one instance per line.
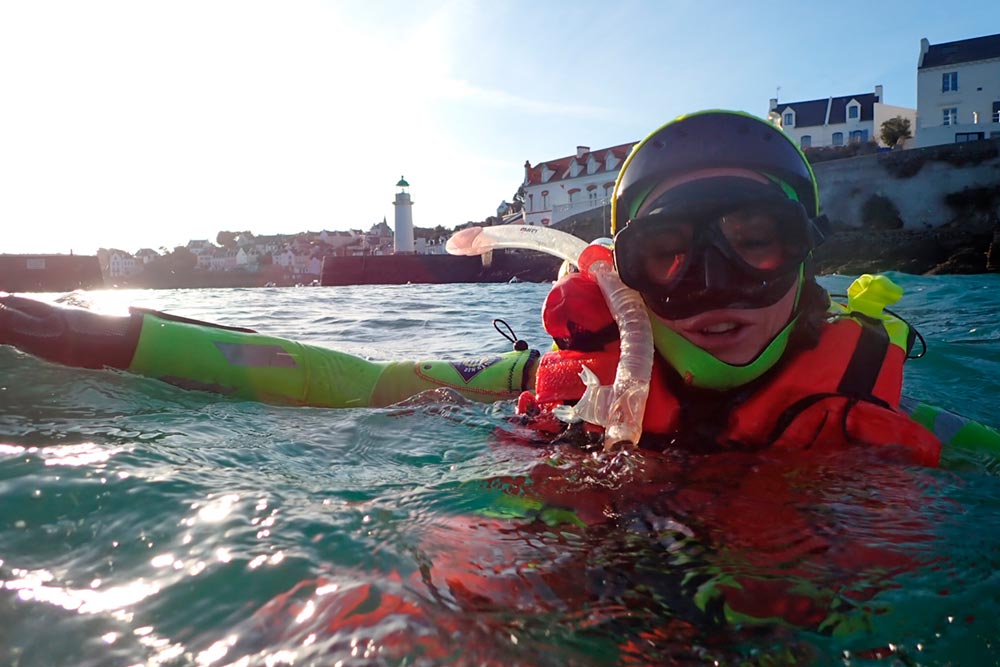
x=895, y=130
x=182, y=259
x=226, y=239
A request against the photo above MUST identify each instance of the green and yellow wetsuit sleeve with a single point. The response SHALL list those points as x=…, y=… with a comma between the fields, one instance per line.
x=275, y=370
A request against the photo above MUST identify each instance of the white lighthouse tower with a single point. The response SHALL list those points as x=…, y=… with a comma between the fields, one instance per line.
x=404, y=219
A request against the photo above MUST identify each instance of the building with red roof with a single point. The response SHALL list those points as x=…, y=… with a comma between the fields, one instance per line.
x=556, y=189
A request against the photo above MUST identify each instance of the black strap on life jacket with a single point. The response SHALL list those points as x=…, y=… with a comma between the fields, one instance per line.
x=856, y=384
x=865, y=365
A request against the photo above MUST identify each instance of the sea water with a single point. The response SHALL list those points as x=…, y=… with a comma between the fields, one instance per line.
x=141, y=524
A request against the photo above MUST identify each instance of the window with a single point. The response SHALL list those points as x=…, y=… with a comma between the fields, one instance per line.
x=545, y=200
x=996, y=112
x=949, y=82
x=859, y=136
x=788, y=120
x=838, y=138
x=962, y=137
x=853, y=111
x=806, y=141
x=950, y=116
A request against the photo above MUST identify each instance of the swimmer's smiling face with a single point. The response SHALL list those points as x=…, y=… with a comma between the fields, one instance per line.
x=736, y=336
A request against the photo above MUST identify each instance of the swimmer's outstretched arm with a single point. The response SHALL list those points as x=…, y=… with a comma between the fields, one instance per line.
x=70, y=336
x=245, y=364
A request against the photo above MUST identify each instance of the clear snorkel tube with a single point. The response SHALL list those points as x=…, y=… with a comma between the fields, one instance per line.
x=620, y=407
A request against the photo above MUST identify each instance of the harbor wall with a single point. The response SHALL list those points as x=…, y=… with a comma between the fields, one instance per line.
x=49, y=273
x=401, y=269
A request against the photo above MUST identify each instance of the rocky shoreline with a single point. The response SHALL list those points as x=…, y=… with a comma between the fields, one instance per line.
x=952, y=250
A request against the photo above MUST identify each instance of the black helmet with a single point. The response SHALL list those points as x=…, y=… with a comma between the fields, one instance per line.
x=712, y=140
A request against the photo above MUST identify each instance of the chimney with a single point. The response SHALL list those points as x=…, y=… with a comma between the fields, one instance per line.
x=774, y=104
x=878, y=93
x=924, y=46
x=582, y=150
x=527, y=171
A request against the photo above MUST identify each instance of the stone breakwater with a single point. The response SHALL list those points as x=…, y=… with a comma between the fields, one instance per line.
x=932, y=251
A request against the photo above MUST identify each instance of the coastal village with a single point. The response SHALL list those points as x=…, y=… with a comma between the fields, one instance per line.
x=958, y=102
x=281, y=259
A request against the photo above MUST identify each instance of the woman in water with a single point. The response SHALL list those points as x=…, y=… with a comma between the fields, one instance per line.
x=715, y=213
x=715, y=217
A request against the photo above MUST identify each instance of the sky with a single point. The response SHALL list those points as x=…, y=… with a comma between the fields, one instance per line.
x=138, y=124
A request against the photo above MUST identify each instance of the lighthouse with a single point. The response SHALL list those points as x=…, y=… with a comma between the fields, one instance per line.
x=404, y=219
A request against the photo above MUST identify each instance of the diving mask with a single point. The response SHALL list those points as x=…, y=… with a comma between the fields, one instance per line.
x=690, y=261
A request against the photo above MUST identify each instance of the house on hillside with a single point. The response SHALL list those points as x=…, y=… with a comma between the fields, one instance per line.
x=836, y=121
x=269, y=244
x=199, y=246
x=337, y=239
x=146, y=255
x=247, y=259
x=958, y=91
x=222, y=260
x=284, y=259
x=377, y=241
x=556, y=189
x=122, y=264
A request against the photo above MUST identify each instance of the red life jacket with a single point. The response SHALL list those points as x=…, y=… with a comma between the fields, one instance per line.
x=844, y=391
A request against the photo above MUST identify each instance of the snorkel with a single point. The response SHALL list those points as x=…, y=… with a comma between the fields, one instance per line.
x=620, y=407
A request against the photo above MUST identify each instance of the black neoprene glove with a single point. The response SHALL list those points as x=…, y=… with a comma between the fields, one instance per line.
x=71, y=336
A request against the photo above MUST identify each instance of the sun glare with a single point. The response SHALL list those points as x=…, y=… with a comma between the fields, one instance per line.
x=147, y=125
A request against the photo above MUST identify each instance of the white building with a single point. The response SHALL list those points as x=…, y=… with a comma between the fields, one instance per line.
x=556, y=189
x=958, y=91
x=837, y=121
x=222, y=260
x=121, y=264
x=146, y=255
x=284, y=259
x=247, y=259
